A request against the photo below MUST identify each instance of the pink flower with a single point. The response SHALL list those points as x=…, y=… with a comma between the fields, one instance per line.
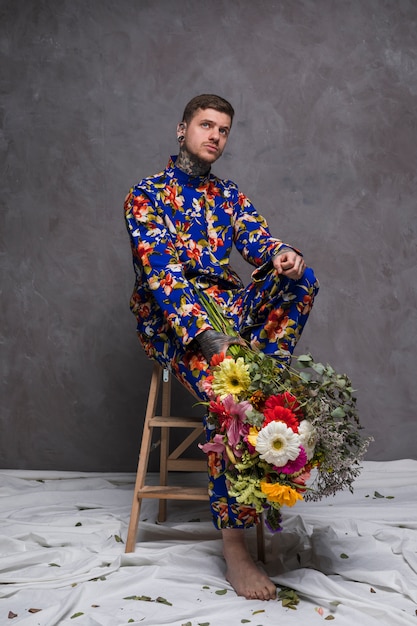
x=235, y=424
x=231, y=416
x=215, y=445
x=302, y=478
x=294, y=466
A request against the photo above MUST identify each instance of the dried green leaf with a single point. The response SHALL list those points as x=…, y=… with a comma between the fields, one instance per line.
x=245, y=621
x=163, y=601
x=203, y=623
x=221, y=592
x=344, y=556
x=118, y=539
x=76, y=615
x=53, y=565
x=288, y=597
x=259, y=611
x=329, y=617
x=78, y=524
x=206, y=587
x=378, y=495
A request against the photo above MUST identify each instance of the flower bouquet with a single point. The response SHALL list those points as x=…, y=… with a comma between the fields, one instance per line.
x=286, y=433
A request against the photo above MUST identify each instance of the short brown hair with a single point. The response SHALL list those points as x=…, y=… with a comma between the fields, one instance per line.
x=207, y=101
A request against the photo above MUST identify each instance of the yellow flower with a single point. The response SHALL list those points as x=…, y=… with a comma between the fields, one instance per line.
x=283, y=494
x=230, y=377
x=253, y=436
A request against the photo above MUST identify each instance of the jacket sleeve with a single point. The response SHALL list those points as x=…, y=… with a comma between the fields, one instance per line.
x=156, y=262
x=252, y=237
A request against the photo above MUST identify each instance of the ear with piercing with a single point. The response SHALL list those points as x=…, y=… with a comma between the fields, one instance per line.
x=181, y=136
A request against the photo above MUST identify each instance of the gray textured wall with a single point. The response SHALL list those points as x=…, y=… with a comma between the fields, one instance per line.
x=324, y=143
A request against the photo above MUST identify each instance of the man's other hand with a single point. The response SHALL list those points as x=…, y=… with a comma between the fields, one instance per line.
x=290, y=264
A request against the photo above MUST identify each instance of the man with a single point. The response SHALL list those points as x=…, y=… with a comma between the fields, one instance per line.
x=182, y=224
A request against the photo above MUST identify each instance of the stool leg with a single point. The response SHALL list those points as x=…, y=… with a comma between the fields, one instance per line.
x=143, y=458
x=164, y=449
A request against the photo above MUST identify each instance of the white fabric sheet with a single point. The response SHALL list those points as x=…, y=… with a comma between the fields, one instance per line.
x=352, y=559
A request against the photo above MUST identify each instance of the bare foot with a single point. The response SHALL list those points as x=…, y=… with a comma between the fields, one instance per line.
x=242, y=572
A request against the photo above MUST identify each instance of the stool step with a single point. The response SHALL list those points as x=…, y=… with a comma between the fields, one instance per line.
x=169, y=492
x=175, y=422
x=187, y=465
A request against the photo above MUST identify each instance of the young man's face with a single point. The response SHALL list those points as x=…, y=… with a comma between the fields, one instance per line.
x=206, y=134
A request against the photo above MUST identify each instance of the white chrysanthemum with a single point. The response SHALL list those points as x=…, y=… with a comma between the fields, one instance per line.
x=277, y=444
x=308, y=437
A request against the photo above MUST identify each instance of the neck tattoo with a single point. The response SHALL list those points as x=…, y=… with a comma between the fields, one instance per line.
x=191, y=165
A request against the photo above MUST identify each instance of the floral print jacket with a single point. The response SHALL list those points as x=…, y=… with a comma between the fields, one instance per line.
x=182, y=230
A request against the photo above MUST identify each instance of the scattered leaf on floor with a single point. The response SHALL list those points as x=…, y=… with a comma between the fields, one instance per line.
x=245, y=621
x=329, y=617
x=259, y=611
x=221, y=592
x=203, y=624
x=372, y=590
x=344, y=556
x=34, y=610
x=12, y=615
x=377, y=495
x=288, y=597
x=159, y=599
x=206, y=587
x=53, y=565
x=78, y=524
x=76, y=615
x=118, y=539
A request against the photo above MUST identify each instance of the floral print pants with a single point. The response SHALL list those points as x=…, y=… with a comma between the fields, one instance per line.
x=270, y=313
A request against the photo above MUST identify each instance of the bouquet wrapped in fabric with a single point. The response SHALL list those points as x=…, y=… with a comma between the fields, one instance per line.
x=285, y=433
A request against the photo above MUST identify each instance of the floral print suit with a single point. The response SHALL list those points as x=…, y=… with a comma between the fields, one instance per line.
x=182, y=230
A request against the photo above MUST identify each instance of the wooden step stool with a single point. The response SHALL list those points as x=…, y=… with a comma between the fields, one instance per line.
x=168, y=462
